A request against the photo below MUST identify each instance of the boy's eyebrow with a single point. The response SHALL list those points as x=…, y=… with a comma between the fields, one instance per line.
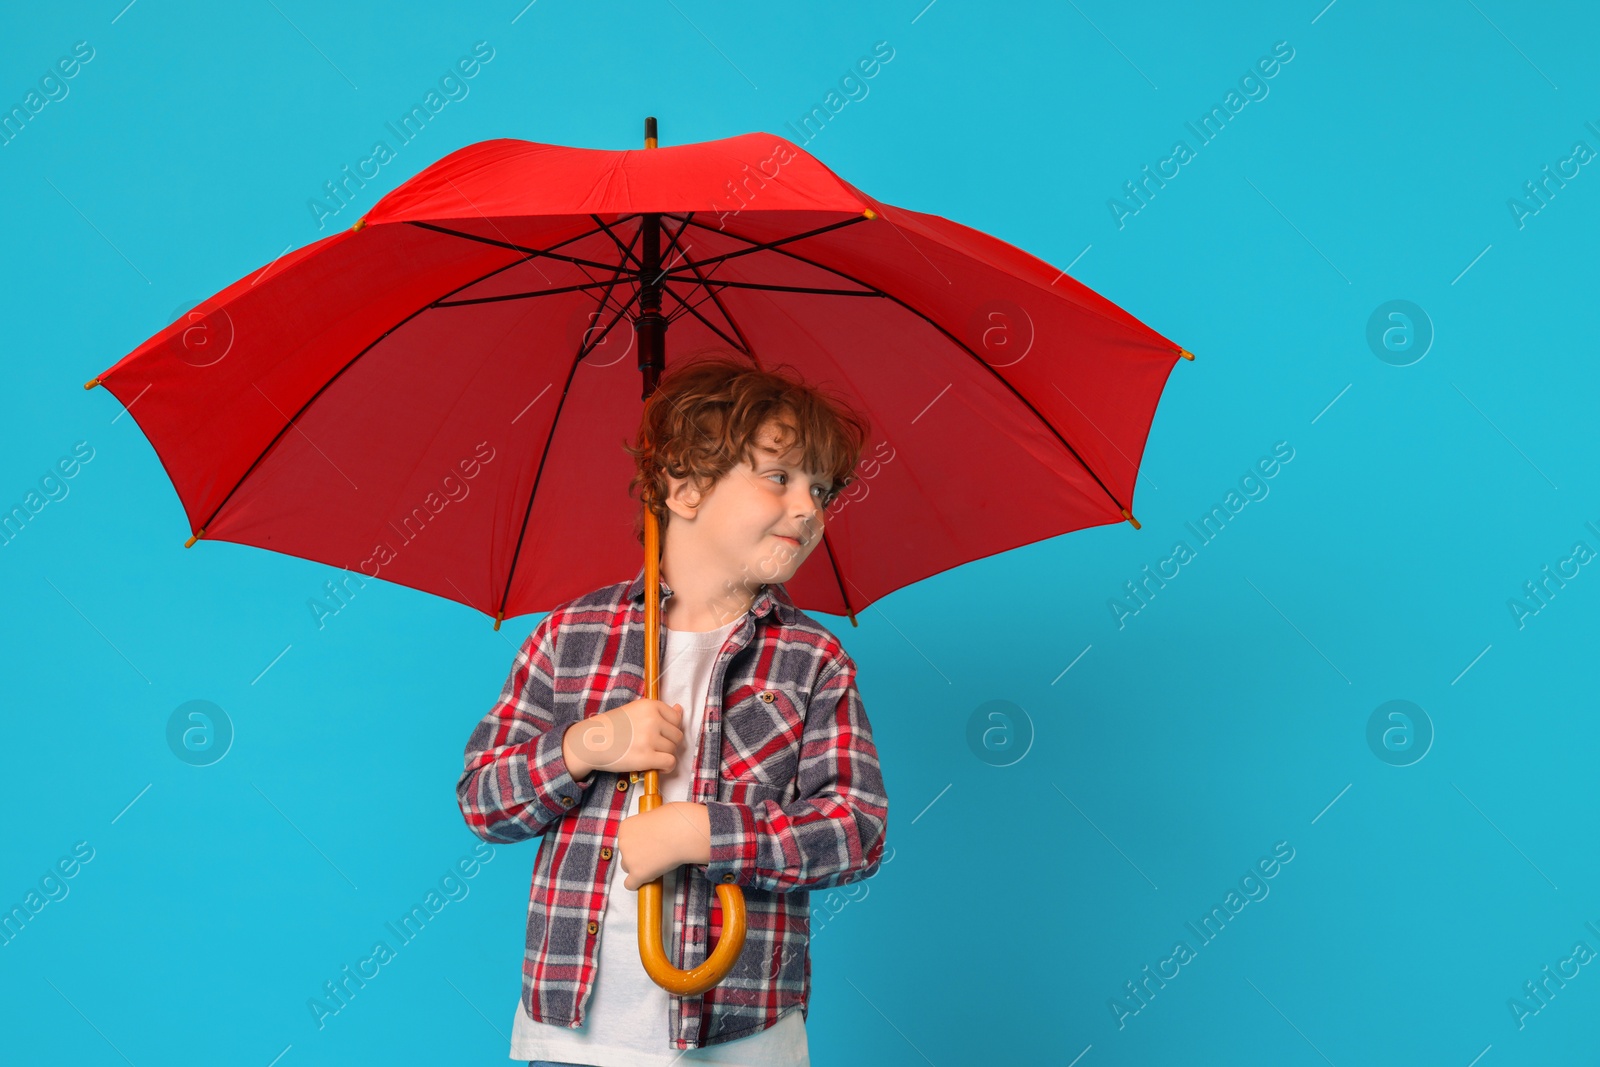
x=795, y=465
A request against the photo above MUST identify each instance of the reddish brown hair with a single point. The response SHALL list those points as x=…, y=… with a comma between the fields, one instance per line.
x=704, y=416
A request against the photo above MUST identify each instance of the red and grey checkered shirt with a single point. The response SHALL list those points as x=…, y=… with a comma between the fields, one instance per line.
x=786, y=767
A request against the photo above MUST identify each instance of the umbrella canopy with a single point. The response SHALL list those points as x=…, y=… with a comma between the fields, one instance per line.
x=438, y=396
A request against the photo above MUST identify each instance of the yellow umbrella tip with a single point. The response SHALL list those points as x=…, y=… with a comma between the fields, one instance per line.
x=869, y=213
x=1185, y=353
x=1126, y=514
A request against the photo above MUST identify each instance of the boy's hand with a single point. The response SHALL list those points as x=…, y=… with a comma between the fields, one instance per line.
x=652, y=843
x=641, y=735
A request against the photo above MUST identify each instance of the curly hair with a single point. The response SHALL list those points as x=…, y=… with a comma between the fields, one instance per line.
x=704, y=417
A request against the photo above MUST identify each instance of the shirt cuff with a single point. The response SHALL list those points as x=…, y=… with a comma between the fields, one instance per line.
x=548, y=776
x=733, y=835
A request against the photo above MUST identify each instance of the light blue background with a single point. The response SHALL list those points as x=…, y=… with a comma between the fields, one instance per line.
x=1228, y=715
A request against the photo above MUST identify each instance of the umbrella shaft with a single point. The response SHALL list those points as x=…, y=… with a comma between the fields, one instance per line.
x=650, y=327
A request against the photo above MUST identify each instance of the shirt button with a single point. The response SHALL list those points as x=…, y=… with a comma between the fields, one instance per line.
x=768, y=696
x=566, y=802
x=605, y=853
x=622, y=785
x=594, y=927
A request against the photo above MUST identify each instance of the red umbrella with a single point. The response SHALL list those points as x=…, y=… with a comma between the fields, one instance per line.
x=438, y=396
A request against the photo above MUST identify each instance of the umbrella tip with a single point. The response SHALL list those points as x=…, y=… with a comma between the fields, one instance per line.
x=91, y=383
x=1129, y=516
x=360, y=225
x=497, y=617
x=869, y=213
x=197, y=535
x=650, y=131
x=1185, y=353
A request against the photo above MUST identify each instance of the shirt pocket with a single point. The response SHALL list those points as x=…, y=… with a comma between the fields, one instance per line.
x=762, y=726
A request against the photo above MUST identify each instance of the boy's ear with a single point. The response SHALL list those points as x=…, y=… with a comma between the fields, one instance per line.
x=683, y=500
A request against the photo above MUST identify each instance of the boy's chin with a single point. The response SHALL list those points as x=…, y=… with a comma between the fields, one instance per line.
x=775, y=569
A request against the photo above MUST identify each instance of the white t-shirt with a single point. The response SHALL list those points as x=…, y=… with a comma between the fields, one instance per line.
x=626, y=1023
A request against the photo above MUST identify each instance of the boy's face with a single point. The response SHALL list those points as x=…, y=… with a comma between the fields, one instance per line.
x=761, y=520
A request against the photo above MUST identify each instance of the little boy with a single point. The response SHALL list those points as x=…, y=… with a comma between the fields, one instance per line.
x=767, y=769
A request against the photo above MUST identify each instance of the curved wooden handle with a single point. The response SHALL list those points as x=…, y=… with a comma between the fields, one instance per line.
x=652, y=939
x=652, y=952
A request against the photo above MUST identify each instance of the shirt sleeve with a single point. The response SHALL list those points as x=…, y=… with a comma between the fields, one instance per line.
x=834, y=832
x=515, y=783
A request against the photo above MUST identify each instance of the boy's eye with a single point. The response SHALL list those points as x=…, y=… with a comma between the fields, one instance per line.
x=821, y=492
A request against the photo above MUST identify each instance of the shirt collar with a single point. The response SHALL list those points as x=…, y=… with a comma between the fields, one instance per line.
x=769, y=597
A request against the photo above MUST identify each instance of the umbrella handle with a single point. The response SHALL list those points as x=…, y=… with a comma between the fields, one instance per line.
x=651, y=951
x=651, y=939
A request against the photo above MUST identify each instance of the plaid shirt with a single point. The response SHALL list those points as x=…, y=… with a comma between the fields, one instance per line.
x=786, y=768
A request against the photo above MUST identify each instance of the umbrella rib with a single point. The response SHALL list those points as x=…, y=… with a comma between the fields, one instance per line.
x=585, y=349
x=616, y=269
x=312, y=399
x=600, y=306
x=700, y=280
x=672, y=244
x=620, y=274
x=691, y=309
x=691, y=305
x=544, y=454
x=744, y=342
x=956, y=341
x=838, y=576
x=791, y=288
x=617, y=273
x=620, y=271
x=625, y=249
x=597, y=284
x=531, y=252
x=763, y=246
